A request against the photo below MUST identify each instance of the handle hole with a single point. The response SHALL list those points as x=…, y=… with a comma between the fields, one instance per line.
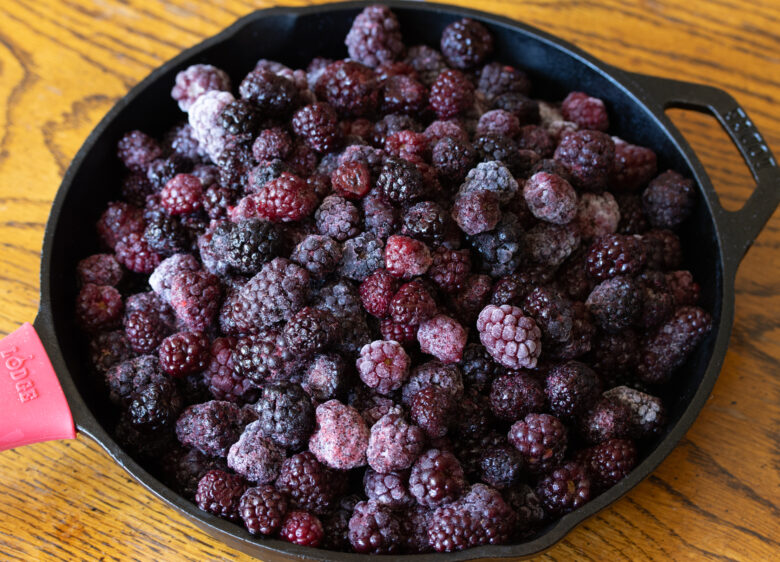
x=724, y=164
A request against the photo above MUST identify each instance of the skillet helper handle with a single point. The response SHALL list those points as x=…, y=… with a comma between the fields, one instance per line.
x=743, y=226
x=33, y=407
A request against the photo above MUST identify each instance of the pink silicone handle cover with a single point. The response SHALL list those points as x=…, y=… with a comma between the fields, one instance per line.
x=33, y=407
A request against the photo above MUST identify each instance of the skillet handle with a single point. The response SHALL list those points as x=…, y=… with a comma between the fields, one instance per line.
x=740, y=228
x=33, y=407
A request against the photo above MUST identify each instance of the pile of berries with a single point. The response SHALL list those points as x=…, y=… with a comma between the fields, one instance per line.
x=389, y=304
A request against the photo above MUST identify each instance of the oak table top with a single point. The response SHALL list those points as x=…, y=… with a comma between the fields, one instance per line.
x=64, y=63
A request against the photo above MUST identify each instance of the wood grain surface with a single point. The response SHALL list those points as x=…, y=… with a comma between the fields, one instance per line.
x=64, y=63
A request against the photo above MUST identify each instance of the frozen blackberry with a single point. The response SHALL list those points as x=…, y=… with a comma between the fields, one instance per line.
x=338, y=218
x=154, y=406
x=303, y=528
x=375, y=37
x=403, y=94
x=309, y=484
x=235, y=163
x=565, y=489
x=361, y=256
x=255, y=456
x=541, y=440
x=615, y=355
x=341, y=438
x=496, y=79
x=387, y=489
x=406, y=257
x=672, y=343
x=195, y=298
x=137, y=150
x=351, y=180
x=350, y=87
x=451, y=94
x=615, y=254
x=425, y=221
x=204, y=118
x=144, y=330
x=436, y=478
x=492, y=147
x=187, y=468
x=196, y=80
x=552, y=312
x=374, y=529
x=211, y=427
x=119, y=220
x=134, y=252
x=271, y=144
x=663, y=249
x=582, y=334
x=263, y=357
x=274, y=294
x=285, y=415
x=320, y=255
x=183, y=353
x=515, y=395
x=221, y=378
x=615, y=303
x=669, y=200
x=394, y=444
x=220, y=493
x=589, y=157
x=479, y=369
x=648, y=415
x=501, y=467
x=161, y=277
x=258, y=176
x=317, y=124
x=414, y=529
x=512, y=289
x=524, y=108
x=586, y=111
x=216, y=200
x=500, y=249
x=98, y=307
x=380, y=217
x=609, y=418
x=450, y=268
x=478, y=518
x=383, y=129
x=246, y=245
x=440, y=129
x=165, y=235
x=684, y=289
x=383, y=366
x=284, y=199
x=432, y=409
x=400, y=181
x=491, y=176
x=377, y=291
x=571, y=389
x=412, y=304
x=514, y=340
x=100, y=269
x=528, y=507
x=427, y=61
x=476, y=211
x=273, y=95
x=107, y=349
x=550, y=198
x=240, y=118
x=466, y=43
x=136, y=188
x=634, y=166
x=310, y=330
x=326, y=377
x=611, y=461
x=632, y=216
x=498, y=122
x=126, y=377
x=536, y=138
x=597, y=215
x=471, y=297
x=453, y=158
x=262, y=509
x=657, y=300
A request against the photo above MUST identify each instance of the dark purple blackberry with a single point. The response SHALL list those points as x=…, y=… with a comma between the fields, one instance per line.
x=500, y=250
x=309, y=484
x=361, y=256
x=552, y=312
x=673, y=341
x=274, y=294
x=221, y=378
x=427, y=61
x=338, y=218
x=240, y=118
x=258, y=176
x=394, y=443
x=571, y=389
x=217, y=199
x=615, y=254
x=165, y=235
x=317, y=124
x=471, y=297
x=589, y=156
x=107, y=349
x=432, y=409
x=491, y=176
x=400, y=181
x=403, y=94
x=479, y=369
x=451, y=94
x=335, y=524
x=491, y=148
x=235, y=163
x=616, y=303
x=350, y=87
x=220, y=493
x=285, y=414
x=684, y=289
x=262, y=358
x=255, y=456
x=262, y=509
x=144, y=330
x=648, y=415
x=146, y=447
x=541, y=440
x=412, y=304
x=195, y=298
x=375, y=37
x=466, y=43
x=632, y=216
x=380, y=217
x=377, y=291
x=271, y=144
x=565, y=489
x=326, y=377
x=119, y=220
x=496, y=79
x=528, y=507
x=434, y=373
x=134, y=252
x=436, y=478
x=582, y=333
x=536, y=138
x=658, y=302
x=319, y=255
x=136, y=187
x=273, y=95
x=669, y=200
x=414, y=529
x=585, y=111
x=453, y=158
x=181, y=140
x=663, y=249
x=385, y=127
x=211, y=427
x=340, y=298
x=374, y=529
x=246, y=245
x=512, y=289
x=480, y=517
x=387, y=489
x=501, y=467
x=183, y=353
x=609, y=418
x=125, y=378
x=188, y=468
x=425, y=221
x=634, y=166
x=450, y=268
x=469, y=446
x=303, y=528
x=309, y=331
x=615, y=356
x=516, y=395
x=351, y=180
x=520, y=105
x=154, y=406
x=572, y=278
x=476, y=211
x=162, y=170
x=98, y=307
x=137, y=150
x=611, y=461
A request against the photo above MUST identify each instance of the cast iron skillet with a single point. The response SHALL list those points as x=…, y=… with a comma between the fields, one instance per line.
x=714, y=239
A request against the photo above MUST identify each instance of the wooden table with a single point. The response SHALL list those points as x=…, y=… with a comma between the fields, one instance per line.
x=64, y=63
